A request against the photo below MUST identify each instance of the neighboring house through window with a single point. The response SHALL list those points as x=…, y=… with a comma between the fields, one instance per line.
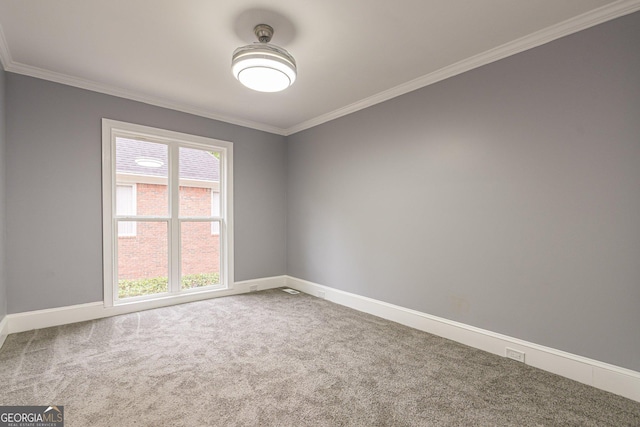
x=126, y=206
x=168, y=211
x=215, y=211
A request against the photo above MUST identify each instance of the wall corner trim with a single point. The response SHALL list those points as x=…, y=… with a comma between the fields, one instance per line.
x=5, y=55
x=604, y=376
x=581, y=22
x=4, y=329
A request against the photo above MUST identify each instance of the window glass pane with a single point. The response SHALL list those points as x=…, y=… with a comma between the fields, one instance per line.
x=215, y=211
x=143, y=267
x=126, y=205
x=200, y=251
x=146, y=165
x=199, y=178
x=127, y=229
x=125, y=200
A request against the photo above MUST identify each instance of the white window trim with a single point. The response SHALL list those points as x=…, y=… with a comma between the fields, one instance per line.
x=112, y=129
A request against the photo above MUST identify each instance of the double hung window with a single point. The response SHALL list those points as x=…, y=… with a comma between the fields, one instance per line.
x=167, y=201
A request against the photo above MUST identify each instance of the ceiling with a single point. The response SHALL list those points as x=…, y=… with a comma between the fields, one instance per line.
x=350, y=54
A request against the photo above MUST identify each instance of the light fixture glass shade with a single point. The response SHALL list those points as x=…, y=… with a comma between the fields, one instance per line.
x=264, y=67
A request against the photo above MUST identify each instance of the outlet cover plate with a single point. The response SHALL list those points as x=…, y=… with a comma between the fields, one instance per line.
x=516, y=355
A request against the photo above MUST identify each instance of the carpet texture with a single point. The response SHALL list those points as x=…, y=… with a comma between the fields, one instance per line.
x=273, y=359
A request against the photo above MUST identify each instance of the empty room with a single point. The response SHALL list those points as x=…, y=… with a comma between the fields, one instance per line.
x=332, y=213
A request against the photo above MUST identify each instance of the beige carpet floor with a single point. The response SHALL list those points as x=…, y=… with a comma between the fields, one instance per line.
x=273, y=359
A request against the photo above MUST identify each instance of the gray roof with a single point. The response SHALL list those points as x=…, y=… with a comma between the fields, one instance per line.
x=194, y=163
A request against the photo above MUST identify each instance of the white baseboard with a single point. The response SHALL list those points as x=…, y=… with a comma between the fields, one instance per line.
x=611, y=378
x=4, y=330
x=598, y=374
x=262, y=284
x=20, y=322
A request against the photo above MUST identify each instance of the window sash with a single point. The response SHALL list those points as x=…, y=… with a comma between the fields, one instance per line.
x=112, y=130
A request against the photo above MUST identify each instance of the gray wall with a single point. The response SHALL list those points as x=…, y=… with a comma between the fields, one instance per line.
x=506, y=198
x=3, y=275
x=54, y=190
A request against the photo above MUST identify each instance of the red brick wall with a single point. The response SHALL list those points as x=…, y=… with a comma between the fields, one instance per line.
x=145, y=254
x=200, y=249
x=152, y=199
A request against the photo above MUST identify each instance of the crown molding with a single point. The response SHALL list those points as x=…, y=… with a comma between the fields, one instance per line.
x=134, y=96
x=581, y=22
x=15, y=67
x=546, y=35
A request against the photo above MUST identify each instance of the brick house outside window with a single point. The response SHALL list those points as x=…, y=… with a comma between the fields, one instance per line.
x=142, y=189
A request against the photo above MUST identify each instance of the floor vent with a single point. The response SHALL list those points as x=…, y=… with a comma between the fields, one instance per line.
x=290, y=291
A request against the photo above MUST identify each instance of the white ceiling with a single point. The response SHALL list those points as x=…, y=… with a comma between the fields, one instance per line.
x=350, y=53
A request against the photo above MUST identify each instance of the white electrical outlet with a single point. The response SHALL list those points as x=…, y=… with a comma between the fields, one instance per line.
x=253, y=288
x=515, y=354
x=321, y=294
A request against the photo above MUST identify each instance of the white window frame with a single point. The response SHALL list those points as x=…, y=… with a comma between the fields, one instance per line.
x=112, y=129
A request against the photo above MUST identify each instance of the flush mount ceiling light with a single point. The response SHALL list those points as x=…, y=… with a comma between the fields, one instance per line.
x=262, y=66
